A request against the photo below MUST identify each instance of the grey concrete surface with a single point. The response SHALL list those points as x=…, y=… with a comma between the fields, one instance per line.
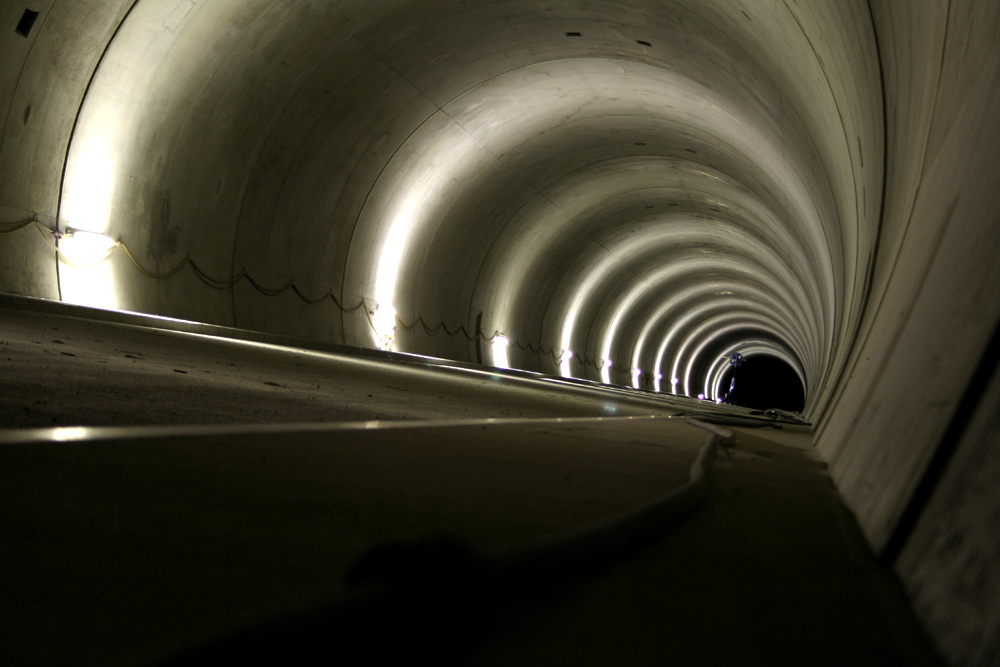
x=648, y=182
x=122, y=549
x=771, y=572
x=43, y=78
x=66, y=371
x=585, y=162
x=928, y=328
x=126, y=545
x=950, y=564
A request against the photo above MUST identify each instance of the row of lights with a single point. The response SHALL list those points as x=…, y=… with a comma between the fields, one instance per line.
x=86, y=248
x=384, y=322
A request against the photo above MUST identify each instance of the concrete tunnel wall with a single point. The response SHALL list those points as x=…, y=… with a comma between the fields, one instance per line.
x=310, y=142
x=815, y=181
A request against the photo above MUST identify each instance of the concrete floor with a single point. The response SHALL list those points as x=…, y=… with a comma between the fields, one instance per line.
x=122, y=546
x=117, y=550
x=773, y=571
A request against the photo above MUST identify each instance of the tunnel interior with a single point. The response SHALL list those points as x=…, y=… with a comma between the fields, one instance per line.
x=623, y=194
x=614, y=189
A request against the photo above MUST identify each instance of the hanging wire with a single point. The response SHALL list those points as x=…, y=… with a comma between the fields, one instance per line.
x=49, y=234
x=461, y=329
x=13, y=227
x=222, y=284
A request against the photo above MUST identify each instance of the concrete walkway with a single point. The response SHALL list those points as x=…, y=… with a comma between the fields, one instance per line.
x=57, y=370
x=122, y=545
x=773, y=571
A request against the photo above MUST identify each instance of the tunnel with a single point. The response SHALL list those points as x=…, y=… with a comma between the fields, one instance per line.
x=764, y=382
x=617, y=196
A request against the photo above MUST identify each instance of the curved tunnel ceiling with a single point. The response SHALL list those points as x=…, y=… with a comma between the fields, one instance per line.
x=647, y=183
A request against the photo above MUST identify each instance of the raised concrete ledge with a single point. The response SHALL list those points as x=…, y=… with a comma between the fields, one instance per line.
x=127, y=318
x=111, y=433
x=63, y=309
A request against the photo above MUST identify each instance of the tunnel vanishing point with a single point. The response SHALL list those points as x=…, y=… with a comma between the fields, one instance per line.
x=624, y=192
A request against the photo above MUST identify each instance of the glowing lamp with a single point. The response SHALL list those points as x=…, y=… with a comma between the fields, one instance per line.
x=500, y=344
x=84, y=249
x=384, y=321
x=564, y=363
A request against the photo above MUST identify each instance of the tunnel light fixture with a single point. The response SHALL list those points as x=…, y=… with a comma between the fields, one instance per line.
x=90, y=185
x=500, y=344
x=606, y=371
x=636, y=372
x=564, y=368
x=384, y=323
x=85, y=278
x=85, y=249
x=70, y=433
x=701, y=397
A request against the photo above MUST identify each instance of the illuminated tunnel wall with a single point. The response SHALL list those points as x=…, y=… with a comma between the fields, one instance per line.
x=626, y=191
x=566, y=170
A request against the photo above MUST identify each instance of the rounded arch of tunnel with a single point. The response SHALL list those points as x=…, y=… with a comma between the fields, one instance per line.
x=383, y=173
x=651, y=184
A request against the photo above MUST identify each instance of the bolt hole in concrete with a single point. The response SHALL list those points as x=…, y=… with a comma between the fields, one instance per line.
x=26, y=22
